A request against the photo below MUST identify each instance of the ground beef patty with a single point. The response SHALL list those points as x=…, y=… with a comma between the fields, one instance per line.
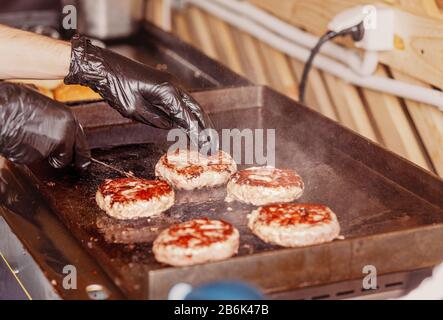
x=188, y=170
x=196, y=241
x=294, y=225
x=132, y=198
x=264, y=185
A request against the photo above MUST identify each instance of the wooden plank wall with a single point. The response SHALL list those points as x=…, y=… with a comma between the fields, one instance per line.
x=413, y=130
x=419, y=30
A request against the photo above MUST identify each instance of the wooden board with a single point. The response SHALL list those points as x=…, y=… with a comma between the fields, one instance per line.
x=251, y=57
x=416, y=41
x=394, y=125
x=225, y=44
x=429, y=123
x=350, y=108
x=317, y=95
x=199, y=26
x=279, y=71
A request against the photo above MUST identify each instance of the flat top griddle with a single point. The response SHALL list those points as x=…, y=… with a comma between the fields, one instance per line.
x=389, y=210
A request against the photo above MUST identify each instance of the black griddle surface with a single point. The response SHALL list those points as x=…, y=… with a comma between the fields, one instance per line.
x=366, y=202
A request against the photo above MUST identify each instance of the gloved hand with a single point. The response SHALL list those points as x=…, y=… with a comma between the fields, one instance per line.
x=137, y=91
x=14, y=190
x=34, y=127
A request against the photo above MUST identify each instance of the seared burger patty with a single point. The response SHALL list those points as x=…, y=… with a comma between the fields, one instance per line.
x=132, y=198
x=195, y=242
x=294, y=225
x=188, y=170
x=264, y=185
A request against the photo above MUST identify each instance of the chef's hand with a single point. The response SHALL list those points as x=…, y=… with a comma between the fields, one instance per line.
x=138, y=92
x=34, y=127
x=14, y=189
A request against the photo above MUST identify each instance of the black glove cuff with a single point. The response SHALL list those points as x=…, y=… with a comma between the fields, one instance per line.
x=87, y=64
x=7, y=117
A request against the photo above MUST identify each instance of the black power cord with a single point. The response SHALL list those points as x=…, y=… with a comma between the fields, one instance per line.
x=357, y=33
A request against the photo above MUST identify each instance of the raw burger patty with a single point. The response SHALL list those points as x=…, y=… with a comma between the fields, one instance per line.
x=132, y=198
x=264, y=185
x=196, y=241
x=294, y=225
x=189, y=170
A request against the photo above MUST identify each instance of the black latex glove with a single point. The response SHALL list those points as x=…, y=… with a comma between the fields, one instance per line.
x=34, y=127
x=13, y=193
x=137, y=91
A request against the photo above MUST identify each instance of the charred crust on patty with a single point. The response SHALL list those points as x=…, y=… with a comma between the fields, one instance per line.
x=264, y=185
x=188, y=169
x=133, y=189
x=196, y=241
x=294, y=224
x=133, y=198
x=268, y=177
x=286, y=214
x=202, y=232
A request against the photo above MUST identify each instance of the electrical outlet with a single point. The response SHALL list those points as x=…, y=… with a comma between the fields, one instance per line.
x=378, y=23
